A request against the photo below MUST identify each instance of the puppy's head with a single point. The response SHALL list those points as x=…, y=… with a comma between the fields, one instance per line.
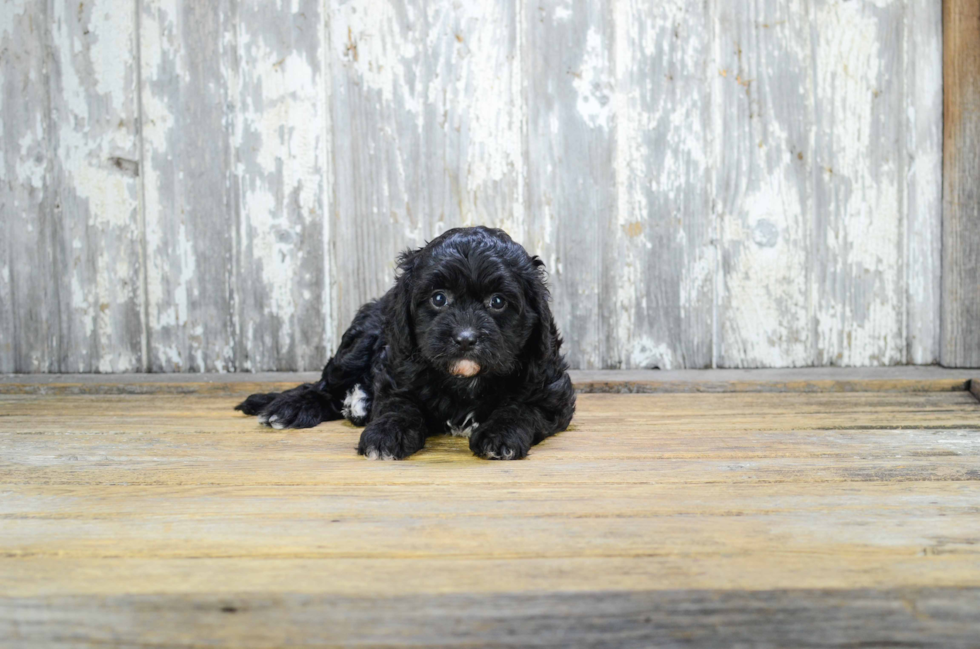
x=475, y=303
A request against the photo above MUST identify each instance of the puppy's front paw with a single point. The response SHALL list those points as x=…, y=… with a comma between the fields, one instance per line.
x=387, y=439
x=500, y=443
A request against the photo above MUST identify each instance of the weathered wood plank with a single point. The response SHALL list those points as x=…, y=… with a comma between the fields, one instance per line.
x=763, y=137
x=189, y=65
x=379, y=578
x=427, y=106
x=161, y=516
x=859, y=244
x=94, y=102
x=29, y=290
x=961, y=184
x=766, y=431
x=282, y=153
x=660, y=263
x=72, y=275
x=570, y=155
x=923, y=54
x=619, y=142
x=924, y=617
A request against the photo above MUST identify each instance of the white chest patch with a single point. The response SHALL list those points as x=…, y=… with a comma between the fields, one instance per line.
x=355, y=403
x=465, y=429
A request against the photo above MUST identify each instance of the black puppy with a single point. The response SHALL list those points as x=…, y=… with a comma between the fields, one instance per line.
x=464, y=344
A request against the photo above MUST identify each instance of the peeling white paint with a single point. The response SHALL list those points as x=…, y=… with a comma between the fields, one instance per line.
x=861, y=184
x=593, y=82
x=435, y=102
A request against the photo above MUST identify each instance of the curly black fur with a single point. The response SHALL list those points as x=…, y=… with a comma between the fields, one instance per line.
x=394, y=369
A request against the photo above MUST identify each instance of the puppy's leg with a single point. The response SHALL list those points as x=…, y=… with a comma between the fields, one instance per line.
x=339, y=389
x=397, y=430
x=254, y=404
x=304, y=406
x=518, y=424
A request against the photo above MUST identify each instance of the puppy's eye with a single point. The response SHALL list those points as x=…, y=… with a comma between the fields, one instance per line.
x=439, y=299
x=497, y=303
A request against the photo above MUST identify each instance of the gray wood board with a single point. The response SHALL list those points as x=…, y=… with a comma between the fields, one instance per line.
x=72, y=271
x=187, y=60
x=219, y=187
x=961, y=185
x=921, y=617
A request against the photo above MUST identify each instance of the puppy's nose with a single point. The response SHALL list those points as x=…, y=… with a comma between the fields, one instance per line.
x=465, y=338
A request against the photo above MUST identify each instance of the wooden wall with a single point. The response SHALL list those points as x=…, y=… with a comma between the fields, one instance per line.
x=217, y=185
x=961, y=185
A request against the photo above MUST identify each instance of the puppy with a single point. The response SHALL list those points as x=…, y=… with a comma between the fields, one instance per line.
x=464, y=344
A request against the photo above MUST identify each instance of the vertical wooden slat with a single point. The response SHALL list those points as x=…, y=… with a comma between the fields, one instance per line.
x=858, y=245
x=473, y=117
x=660, y=260
x=189, y=66
x=570, y=80
x=961, y=184
x=427, y=131
x=29, y=298
x=763, y=130
x=70, y=282
x=281, y=146
x=90, y=221
x=924, y=141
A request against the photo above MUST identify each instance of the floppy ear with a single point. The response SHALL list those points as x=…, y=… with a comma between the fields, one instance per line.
x=400, y=332
x=544, y=341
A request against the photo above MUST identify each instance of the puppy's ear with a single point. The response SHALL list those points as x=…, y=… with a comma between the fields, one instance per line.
x=544, y=341
x=401, y=333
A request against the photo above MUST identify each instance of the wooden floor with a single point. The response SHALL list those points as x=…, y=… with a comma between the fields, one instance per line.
x=683, y=519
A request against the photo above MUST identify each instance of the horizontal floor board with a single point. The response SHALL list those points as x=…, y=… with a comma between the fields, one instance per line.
x=922, y=617
x=125, y=511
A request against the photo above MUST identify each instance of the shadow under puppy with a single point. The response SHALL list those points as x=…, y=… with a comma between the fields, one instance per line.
x=464, y=344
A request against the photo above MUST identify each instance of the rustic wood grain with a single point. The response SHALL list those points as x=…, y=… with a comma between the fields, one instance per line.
x=824, y=519
x=71, y=176
x=763, y=105
x=428, y=132
x=660, y=262
x=961, y=179
x=94, y=111
x=925, y=617
x=859, y=175
x=189, y=64
x=570, y=152
x=923, y=53
x=218, y=188
x=282, y=146
x=30, y=327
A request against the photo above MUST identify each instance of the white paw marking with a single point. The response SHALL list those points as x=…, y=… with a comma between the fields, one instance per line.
x=505, y=454
x=264, y=419
x=372, y=454
x=278, y=425
x=355, y=403
x=465, y=429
